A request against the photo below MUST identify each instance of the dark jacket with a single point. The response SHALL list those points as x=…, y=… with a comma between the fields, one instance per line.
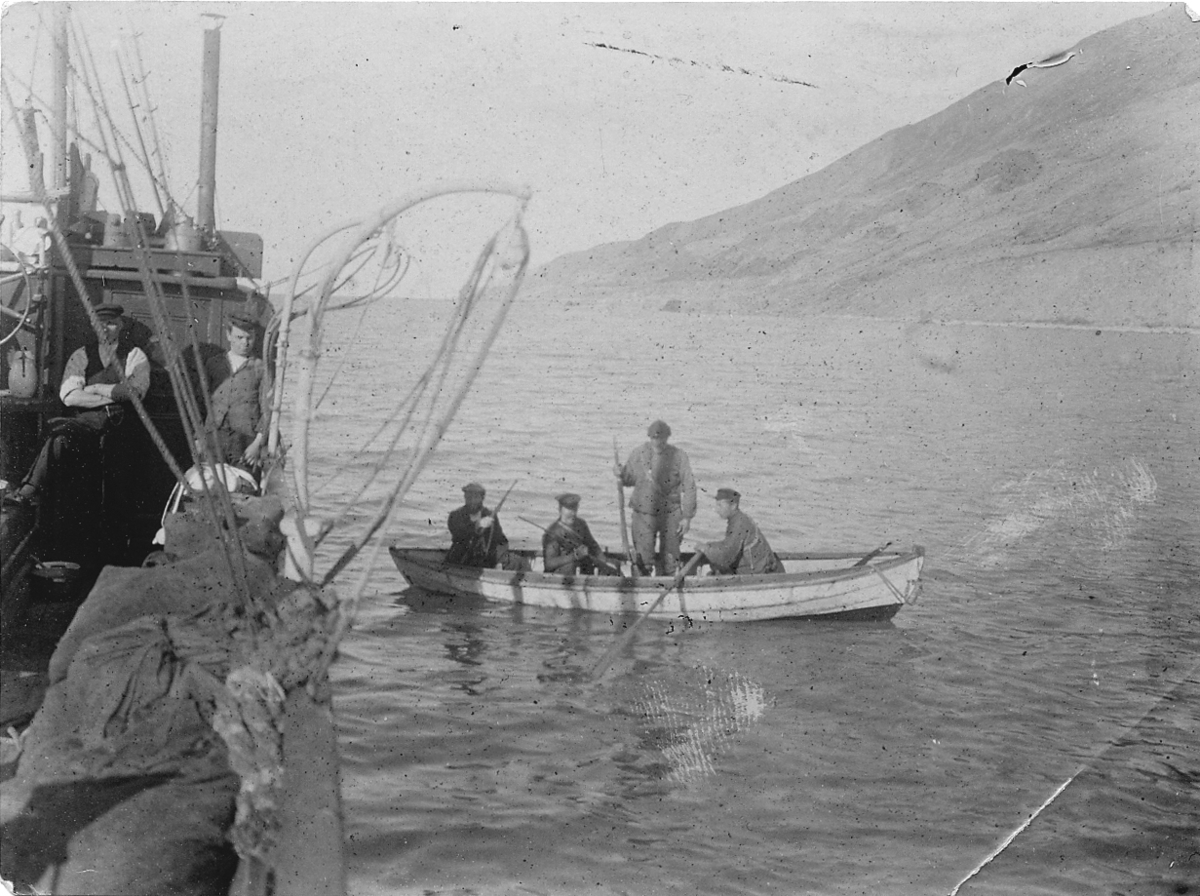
x=472, y=546
x=241, y=401
x=743, y=550
x=559, y=544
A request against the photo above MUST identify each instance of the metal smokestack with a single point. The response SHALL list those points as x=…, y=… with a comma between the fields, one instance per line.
x=205, y=214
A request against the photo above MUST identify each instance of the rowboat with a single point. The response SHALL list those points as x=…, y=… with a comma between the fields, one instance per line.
x=824, y=585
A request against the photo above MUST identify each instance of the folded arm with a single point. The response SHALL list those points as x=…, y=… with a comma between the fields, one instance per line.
x=76, y=393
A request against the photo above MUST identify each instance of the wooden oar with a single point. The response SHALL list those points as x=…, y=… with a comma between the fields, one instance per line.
x=871, y=556
x=596, y=558
x=621, y=506
x=605, y=661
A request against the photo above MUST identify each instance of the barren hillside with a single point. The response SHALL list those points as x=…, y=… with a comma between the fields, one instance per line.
x=1071, y=197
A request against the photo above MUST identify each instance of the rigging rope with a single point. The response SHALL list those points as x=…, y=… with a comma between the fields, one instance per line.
x=37, y=39
x=217, y=503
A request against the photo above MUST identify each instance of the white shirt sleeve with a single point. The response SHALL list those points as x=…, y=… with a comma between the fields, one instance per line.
x=137, y=372
x=75, y=392
x=73, y=376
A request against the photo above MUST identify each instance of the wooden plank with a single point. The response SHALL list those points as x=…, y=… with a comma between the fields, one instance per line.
x=311, y=857
x=206, y=264
x=165, y=279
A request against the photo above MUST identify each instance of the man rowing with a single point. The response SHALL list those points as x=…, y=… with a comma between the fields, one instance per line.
x=744, y=549
x=568, y=546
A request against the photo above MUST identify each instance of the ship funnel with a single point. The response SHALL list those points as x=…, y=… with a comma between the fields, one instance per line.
x=206, y=215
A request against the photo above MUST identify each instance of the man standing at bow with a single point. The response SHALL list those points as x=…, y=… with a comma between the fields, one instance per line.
x=663, y=500
x=743, y=551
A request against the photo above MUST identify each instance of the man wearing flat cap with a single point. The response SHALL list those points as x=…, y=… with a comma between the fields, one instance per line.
x=663, y=500
x=744, y=550
x=567, y=545
x=98, y=383
x=239, y=410
x=476, y=538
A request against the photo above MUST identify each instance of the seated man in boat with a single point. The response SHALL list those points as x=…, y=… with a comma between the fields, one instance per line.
x=240, y=406
x=476, y=538
x=743, y=551
x=97, y=386
x=568, y=546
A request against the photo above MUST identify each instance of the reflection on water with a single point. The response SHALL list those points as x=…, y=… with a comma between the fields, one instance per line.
x=1097, y=504
x=1052, y=478
x=690, y=721
x=465, y=646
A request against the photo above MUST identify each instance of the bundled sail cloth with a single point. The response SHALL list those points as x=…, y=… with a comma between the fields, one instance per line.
x=144, y=754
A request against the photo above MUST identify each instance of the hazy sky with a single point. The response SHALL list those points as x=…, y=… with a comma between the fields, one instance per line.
x=329, y=110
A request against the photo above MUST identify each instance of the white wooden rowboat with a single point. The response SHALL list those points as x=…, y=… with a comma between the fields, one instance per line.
x=826, y=585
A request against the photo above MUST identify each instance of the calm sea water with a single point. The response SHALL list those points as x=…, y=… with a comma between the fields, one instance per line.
x=1052, y=476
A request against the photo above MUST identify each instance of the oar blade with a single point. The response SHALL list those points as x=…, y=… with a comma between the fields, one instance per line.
x=871, y=556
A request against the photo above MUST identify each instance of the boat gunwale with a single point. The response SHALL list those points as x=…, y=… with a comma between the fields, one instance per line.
x=892, y=560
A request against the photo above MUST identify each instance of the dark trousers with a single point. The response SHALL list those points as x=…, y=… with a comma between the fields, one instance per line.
x=662, y=528
x=71, y=441
x=80, y=473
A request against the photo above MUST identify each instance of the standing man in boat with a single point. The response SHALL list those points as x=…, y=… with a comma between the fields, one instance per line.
x=240, y=407
x=663, y=501
x=744, y=550
x=476, y=538
x=98, y=382
x=568, y=546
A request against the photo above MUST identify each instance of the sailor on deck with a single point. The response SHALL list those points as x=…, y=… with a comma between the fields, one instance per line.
x=240, y=407
x=99, y=380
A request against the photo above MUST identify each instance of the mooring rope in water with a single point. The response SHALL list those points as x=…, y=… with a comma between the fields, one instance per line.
x=1063, y=786
x=1013, y=836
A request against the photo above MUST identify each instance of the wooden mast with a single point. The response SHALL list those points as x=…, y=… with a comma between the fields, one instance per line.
x=58, y=111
